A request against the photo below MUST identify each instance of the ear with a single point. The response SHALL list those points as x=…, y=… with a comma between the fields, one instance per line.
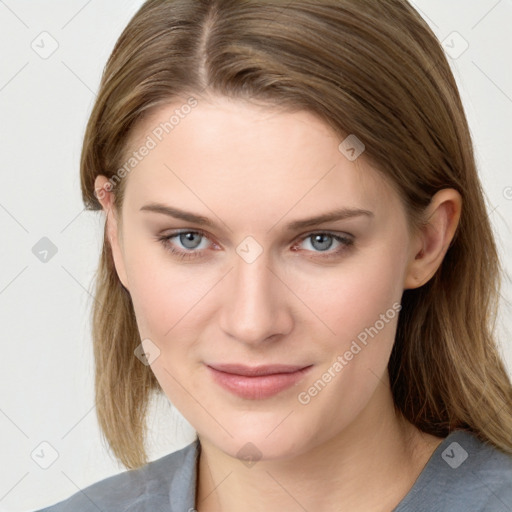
x=103, y=191
x=434, y=238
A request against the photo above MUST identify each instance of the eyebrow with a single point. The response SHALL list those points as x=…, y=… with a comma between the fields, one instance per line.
x=334, y=215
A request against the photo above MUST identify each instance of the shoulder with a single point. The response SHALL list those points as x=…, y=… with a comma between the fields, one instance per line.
x=491, y=476
x=464, y=473
x=155, y=486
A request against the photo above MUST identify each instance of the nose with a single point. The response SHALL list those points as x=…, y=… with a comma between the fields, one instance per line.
x=255, y=306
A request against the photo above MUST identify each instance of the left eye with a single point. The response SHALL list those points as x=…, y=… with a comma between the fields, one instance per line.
x=191, y=242
x=324, y=241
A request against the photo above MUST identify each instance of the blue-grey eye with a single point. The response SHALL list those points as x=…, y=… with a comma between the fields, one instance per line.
x=187, y=239
x=321, y=241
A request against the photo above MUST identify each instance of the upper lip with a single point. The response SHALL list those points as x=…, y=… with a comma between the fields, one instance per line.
x=251, y=371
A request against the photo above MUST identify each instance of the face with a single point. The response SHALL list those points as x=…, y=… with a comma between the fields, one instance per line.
x=255, y=285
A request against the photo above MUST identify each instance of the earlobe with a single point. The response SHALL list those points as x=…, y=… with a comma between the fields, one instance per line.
x=434, y=238
x=105, y=196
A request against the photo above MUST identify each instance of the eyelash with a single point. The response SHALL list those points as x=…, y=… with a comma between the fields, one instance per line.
x=193, y=254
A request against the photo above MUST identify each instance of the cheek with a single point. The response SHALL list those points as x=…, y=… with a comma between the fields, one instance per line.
x=167, y=297
x=353, y=295
x=163, y=300
x=361, y=304
x=157, y=290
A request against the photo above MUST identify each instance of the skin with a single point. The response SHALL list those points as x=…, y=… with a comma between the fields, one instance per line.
x=252, y=171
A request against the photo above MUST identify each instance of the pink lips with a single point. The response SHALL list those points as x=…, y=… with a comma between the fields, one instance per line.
x=259, y=382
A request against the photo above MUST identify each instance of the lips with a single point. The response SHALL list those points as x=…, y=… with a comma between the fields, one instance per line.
x=258, y=382
x=248, y=371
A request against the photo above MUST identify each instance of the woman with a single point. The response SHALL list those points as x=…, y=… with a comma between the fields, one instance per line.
x=297, y=253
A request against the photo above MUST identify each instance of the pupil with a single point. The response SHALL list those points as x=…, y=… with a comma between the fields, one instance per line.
x=188, y=237
x=324, y=244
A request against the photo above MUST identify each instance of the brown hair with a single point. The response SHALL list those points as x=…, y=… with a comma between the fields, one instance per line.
x=366, y=67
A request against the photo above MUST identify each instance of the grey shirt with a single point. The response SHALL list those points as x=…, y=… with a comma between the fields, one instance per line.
x=462, y=475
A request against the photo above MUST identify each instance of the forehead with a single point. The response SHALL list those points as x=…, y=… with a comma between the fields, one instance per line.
x=240, y=157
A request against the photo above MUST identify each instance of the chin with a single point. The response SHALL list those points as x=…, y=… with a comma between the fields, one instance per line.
x=262, y=437
x=254, y=449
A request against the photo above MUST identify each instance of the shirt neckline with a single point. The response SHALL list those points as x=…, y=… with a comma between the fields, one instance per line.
x=430, y=470
x=422, y=481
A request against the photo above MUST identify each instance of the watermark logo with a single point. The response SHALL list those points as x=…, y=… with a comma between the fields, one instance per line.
x=44, y=250
x=45, y=45
x=249, y=249
x=44, y=455
x=352, y=147
x=455, y=45
x=249, y=454
x=147, y=352
x=454, y=455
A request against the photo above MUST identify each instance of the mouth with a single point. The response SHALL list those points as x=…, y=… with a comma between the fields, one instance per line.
x=259, y=382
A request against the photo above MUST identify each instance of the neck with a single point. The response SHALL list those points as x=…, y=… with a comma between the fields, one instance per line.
x=368, y=466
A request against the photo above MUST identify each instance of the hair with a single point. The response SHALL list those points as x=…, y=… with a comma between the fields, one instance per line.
x=365, y=67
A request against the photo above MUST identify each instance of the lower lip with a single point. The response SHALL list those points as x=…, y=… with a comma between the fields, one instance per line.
x=260, y=387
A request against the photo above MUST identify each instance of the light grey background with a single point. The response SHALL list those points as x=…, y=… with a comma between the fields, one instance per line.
x=46, y=394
